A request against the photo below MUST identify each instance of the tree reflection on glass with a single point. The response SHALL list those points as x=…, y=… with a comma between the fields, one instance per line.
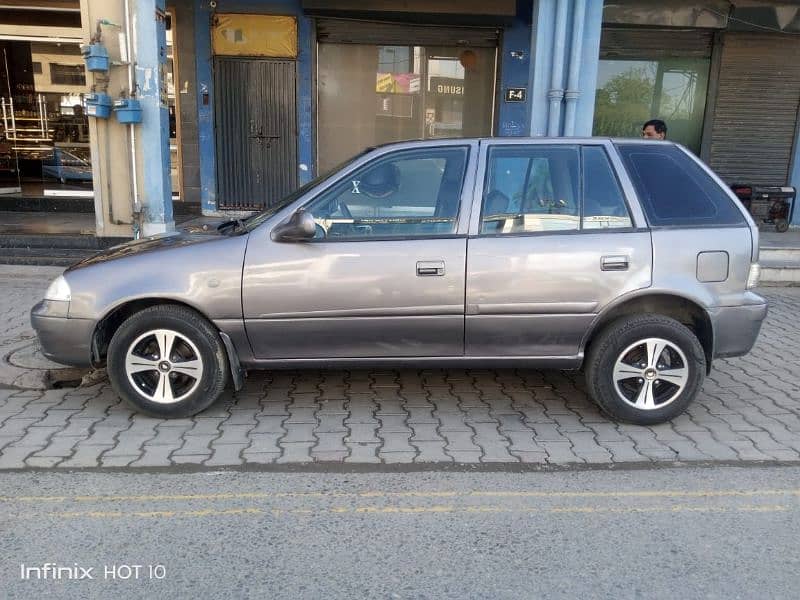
x=630, y=92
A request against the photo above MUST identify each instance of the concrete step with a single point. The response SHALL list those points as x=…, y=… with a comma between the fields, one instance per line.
x=76, y=253
x=780, y=272
x=49, y=204
x=779, y=254
x=52, y=250
x=40, y=261
x=57, y=257
x=779, y=257
x=67, y=241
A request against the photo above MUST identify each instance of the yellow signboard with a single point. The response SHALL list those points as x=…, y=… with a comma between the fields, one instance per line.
x=384, y=83
x=397, y=83
x=254, y=35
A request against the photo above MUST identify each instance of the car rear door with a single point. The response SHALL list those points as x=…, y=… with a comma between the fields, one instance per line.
x=554, y=238
x=385, y=276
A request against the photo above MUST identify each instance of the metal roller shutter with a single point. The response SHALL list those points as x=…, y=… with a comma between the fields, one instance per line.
x=256, y=140
x=352, y=31
x=649, y=44
x=756, y=109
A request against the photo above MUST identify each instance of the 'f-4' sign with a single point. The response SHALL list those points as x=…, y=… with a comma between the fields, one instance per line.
x=515, y=94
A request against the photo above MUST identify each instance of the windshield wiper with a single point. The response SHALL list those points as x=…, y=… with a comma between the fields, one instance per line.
x=233, y=223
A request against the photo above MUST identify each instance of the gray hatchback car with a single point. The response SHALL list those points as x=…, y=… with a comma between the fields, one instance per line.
x=627, y=258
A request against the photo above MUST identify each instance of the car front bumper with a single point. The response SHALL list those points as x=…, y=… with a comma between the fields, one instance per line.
x=63, y=340
x=736, y=327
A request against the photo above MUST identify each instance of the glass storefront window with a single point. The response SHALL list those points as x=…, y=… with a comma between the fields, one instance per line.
x=372, y=95
x=172, y=106
x=44, y=133
x=44, y=127
x=630, y=92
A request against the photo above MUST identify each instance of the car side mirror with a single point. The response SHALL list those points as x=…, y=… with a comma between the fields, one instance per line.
x=299, y=228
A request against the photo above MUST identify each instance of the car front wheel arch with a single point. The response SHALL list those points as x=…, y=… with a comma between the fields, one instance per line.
x=107, y=326
x=168, y=361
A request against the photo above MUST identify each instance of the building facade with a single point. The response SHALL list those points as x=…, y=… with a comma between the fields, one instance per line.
x=244, y=100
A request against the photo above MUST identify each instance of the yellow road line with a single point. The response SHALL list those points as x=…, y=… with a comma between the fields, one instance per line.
x=159, y=513
x=449, y=509
x=420, y=494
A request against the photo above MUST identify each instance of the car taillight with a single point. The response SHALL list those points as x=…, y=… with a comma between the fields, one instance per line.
x=753, y=276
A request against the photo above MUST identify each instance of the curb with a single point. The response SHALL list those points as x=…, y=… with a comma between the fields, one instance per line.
x=338, y=467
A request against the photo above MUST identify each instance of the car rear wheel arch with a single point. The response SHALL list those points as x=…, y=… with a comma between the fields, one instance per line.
x=645, y=369
x=683, y=310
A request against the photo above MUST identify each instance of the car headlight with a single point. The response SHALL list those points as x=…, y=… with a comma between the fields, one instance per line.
x=58, y=290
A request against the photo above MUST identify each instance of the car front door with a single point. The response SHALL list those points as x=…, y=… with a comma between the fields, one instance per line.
x=552, y=242
x=384, y=275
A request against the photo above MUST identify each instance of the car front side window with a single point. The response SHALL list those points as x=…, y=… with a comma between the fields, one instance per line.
x=409, y=193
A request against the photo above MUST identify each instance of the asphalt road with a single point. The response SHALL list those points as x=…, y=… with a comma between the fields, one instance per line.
x=714, y=532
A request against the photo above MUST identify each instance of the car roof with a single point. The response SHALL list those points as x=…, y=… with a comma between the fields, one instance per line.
x=521, y=139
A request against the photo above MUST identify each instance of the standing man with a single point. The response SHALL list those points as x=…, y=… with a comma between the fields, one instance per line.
x=655, y=129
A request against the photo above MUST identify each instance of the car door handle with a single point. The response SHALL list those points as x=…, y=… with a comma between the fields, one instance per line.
x=432, y=268
x=614, y=263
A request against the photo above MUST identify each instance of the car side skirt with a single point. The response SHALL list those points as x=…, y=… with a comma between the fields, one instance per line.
x=471, y=362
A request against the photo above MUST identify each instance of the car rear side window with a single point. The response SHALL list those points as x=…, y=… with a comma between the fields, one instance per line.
x=674, y=190
x=603, y=204
x=531, y=189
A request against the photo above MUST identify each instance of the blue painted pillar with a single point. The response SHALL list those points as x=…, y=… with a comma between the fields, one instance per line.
x=205, y=106
x=305, y=122
x=555, y=94
x=515, y=60
x=572, y=92
x=565, y=42
x=542, y=35
x=152, y=143
x=794, y=174
x=589, y=64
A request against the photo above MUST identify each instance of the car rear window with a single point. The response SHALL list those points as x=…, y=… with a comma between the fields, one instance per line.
x=674, y=190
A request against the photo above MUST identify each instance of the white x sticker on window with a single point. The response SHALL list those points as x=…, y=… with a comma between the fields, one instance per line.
x=356, y=183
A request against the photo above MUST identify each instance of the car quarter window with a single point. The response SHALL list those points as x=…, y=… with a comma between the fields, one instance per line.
x=531, y=189
x=408, y=193
x=674, y=190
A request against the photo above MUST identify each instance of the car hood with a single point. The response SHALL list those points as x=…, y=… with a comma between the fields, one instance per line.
x=155, y=243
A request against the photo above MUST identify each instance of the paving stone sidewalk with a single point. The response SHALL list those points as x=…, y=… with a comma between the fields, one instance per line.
x=749, y=410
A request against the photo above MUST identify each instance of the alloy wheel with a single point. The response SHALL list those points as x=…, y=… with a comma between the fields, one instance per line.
x=650, y=374
x=163, y=366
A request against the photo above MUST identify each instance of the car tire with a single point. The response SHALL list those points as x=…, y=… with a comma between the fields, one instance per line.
x=167, y=361
x=645, y=369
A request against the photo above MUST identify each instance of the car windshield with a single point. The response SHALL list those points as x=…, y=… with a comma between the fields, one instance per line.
x=254, y=221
